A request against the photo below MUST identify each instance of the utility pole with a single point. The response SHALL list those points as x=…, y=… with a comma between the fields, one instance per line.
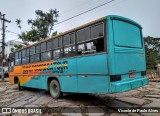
x=2, y=17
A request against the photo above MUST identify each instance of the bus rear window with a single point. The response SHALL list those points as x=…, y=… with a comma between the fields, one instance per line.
x=127, y=34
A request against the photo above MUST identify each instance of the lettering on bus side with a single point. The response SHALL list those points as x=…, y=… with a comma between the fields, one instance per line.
x=60, y=66
x=27, y=71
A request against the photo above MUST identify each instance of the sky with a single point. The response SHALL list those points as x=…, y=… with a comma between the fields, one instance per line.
x=145, y=12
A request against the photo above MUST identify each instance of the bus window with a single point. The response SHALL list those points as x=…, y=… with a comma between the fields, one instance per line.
x=38, y=48
x=70, y=51
x=25, y=57
x=90, y=47
x=66, y=40
x=127, y=34
x=83, y=35
x=16, y=55
x=27, y=52
x=66, y=50
x=46, y=56
x=11, y=65
x=91, y=39
x=24, y=53
x=35, y=58
x=32, y=50
x=25, y=60
x=57, y=53
x=87, y=48
x=60, y=42
x=69, y=44
x=55, y=43
x=72, y=41
x=97, y=31
x=32, y=58
x=49, y=45
x=43, y=47
x=20, y=55
x=17, y=61
x=17, y=58
x=81, y=47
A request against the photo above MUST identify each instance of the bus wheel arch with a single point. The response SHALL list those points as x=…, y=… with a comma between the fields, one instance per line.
x=54, y=87
x=16, y=80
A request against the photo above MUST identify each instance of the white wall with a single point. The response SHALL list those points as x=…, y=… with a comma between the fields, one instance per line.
x=10, y=44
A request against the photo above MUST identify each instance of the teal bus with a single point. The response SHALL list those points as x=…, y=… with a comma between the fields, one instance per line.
x=103, y=56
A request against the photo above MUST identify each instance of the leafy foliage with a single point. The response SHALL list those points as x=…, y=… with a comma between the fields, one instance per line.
x=41, y=27
x=16, y=47
x=152, y=46
x=30, y=36
x=18, y=22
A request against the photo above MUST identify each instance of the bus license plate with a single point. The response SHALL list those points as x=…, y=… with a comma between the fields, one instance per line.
x=131, y=75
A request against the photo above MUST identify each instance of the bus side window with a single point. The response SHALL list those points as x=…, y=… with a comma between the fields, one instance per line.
x=91, y=46
x=46, y=56
x=81, y=48
x=70, y=51
x=69, y=45
x=57, y=53
x=17, y=58
x=97, y=33
x=91, y=39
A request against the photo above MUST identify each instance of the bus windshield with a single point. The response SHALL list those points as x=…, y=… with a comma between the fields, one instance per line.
x=127, y=34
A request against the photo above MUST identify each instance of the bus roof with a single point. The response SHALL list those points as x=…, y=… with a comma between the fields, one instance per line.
x=124, y=19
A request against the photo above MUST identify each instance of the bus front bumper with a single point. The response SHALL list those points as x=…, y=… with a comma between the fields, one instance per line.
x=126, y=85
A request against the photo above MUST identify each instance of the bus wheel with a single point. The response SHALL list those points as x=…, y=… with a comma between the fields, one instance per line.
x=19, y=86
x=55, y=90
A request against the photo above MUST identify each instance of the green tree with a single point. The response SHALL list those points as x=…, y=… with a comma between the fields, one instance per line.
x=17, y=47
x=152, y=46
x=41, y=27
x=18, y=22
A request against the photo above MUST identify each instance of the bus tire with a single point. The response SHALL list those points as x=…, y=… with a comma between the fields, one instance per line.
x=55, y=90
x=19, y=86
